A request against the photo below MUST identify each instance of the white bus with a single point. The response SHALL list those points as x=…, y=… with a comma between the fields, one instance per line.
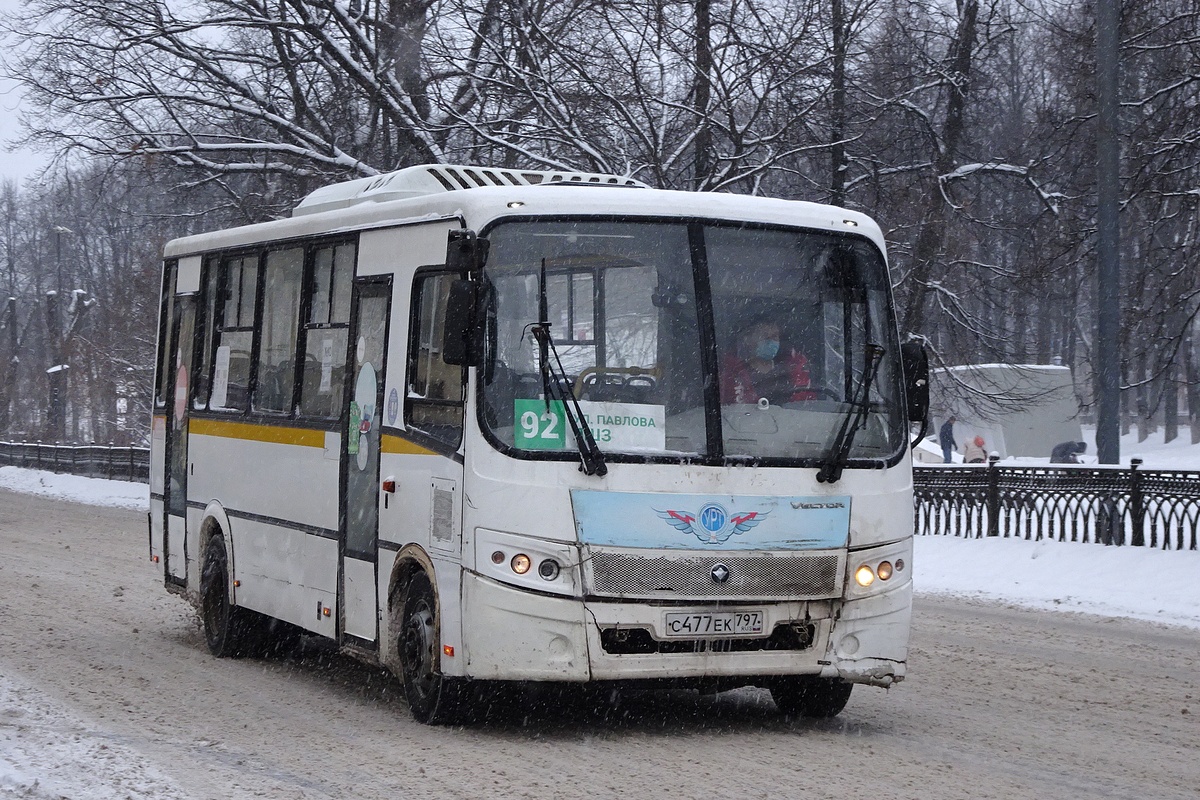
x=482, y=425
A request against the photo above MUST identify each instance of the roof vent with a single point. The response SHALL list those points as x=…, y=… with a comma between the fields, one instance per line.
x=440, y=178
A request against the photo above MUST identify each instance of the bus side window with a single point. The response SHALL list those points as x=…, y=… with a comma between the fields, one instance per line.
x=207, y=325
x=166, y=324
x=326, y=330
x=235, y=332
x=277, y=343
x=434, y=398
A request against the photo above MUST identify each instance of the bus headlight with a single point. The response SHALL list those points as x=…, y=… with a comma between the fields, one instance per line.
x=527, y=562
x=877, y=569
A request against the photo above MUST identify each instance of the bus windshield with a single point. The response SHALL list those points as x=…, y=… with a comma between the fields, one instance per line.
x=694, y=341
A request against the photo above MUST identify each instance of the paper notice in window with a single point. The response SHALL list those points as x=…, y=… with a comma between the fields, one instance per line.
x=326, y=386
x=220, y=387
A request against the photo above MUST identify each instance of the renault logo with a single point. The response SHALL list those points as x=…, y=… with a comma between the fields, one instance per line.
x=720, y=573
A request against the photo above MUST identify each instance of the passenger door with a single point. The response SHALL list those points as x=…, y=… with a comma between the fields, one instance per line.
x=176, y=461
x=358, y=613
x=429, y=464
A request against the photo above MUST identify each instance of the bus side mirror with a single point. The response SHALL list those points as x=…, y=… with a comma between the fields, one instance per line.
x=916, y=380
x=461, y=343
x=466, y=253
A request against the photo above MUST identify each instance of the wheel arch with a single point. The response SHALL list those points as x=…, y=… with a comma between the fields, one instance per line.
x=410, y=561
x=215, y=523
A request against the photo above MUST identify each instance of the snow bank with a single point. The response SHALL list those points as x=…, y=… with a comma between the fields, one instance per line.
x=75, y=489
x=1134, y=582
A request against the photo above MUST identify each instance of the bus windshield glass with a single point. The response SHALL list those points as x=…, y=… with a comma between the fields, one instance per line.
x=693, y=341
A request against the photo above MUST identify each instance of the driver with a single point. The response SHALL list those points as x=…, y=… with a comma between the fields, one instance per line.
x=760, y=370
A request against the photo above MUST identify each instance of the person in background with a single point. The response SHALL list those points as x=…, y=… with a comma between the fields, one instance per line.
x=760, y=370
x=946, y=438
x=1068, y=452
x=973, y=452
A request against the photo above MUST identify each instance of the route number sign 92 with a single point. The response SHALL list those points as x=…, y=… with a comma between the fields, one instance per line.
x=538, y=428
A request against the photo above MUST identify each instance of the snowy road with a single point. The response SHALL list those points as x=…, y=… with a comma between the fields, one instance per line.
x=1000, y=703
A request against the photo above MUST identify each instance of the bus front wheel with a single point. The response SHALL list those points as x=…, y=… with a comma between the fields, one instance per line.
x=433, y=698
x=228, y=630
x=810, y=696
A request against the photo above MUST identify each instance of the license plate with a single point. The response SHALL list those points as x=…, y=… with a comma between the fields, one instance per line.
x=710, y=625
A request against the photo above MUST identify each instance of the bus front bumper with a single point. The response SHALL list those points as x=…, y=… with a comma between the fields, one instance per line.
x=512, y=634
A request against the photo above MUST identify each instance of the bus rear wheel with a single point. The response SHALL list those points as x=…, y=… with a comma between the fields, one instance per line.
x=228, y=630
x=433, y=698
x=810, y=696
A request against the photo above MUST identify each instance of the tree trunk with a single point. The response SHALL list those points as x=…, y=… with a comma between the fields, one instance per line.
x=1170, y=404
x=933, y=224
x=1142, y=400
x=837, y=110
x=1193, y=383
x=702, y=94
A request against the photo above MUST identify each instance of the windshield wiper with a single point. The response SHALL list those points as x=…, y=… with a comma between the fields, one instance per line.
x=855, y=419
x=555, y=386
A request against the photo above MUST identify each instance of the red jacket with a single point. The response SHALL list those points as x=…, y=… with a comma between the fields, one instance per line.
x=788, y=380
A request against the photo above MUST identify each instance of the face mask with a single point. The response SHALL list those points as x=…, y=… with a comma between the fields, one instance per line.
x=767, y=349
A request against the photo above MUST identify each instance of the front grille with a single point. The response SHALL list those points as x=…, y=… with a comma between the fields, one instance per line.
x=800, y=577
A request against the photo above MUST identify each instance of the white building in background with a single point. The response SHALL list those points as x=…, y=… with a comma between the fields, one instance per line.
x=1019, y=410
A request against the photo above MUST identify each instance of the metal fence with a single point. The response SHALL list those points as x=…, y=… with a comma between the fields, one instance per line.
x=91, y=460
x=1105, y=505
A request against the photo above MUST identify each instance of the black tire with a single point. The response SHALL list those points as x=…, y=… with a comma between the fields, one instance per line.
x=810, y=696
x=433, y=698
x=229, y=631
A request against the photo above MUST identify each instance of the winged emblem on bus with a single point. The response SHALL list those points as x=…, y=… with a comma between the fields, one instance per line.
x=712, y=524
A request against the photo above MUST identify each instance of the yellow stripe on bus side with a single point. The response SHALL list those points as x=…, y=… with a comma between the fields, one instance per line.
x=276, y=434
x=402, y=446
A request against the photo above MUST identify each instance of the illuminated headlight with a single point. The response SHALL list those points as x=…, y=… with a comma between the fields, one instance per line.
x=521, y=563
x=879, y=569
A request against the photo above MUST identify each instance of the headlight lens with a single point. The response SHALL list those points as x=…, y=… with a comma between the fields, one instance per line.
x=520, y=563
x=864, y=576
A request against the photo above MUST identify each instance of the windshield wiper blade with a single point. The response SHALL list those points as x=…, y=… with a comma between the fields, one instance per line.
x=856, y=417
x=556, y=387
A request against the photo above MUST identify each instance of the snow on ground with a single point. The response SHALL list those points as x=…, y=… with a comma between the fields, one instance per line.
x=1136, y=582
x=47, y=754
